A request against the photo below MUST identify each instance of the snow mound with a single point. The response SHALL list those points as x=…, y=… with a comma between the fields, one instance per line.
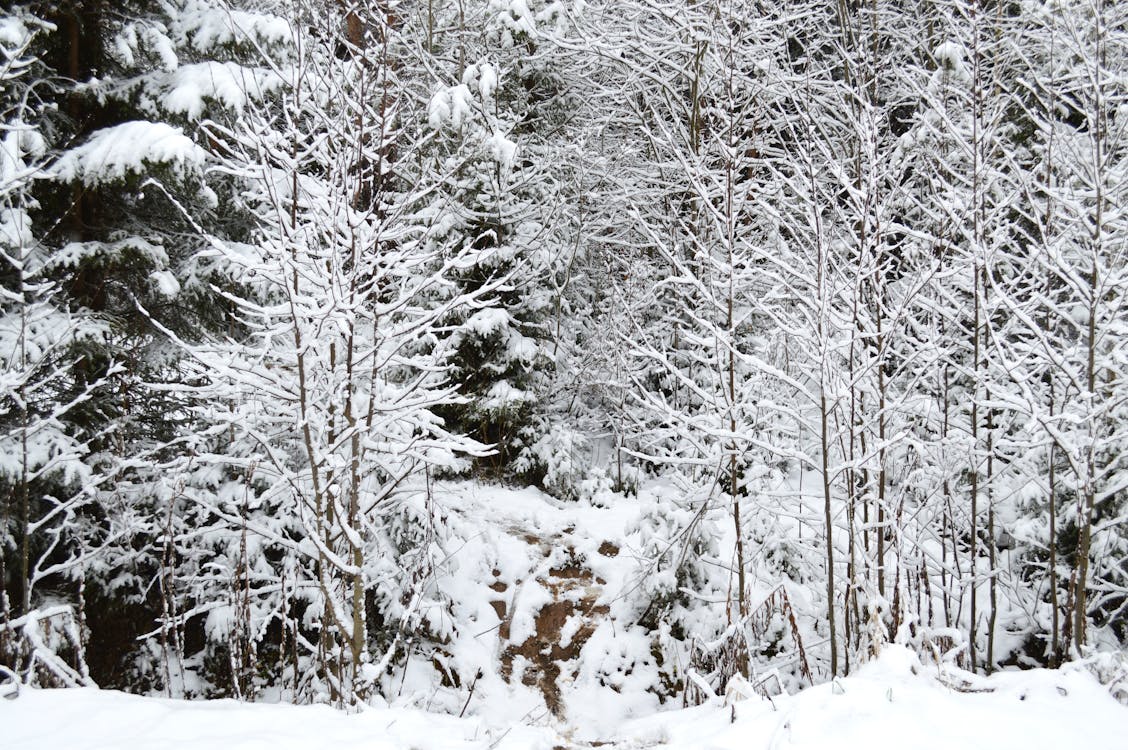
x=893, y=703
x=90, y=718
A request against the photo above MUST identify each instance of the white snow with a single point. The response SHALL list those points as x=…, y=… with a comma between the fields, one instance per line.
x=187, y=89
x=898, y=703
x=951, y=57
x=166, y=283
x=514, y=17
x=503, y=394
x=14, y=32
x=502, y=149
x=895, y=703
x=163, y=46
x=487, y=80
x=481, y=76
x=208, y=29
x=112, y=153
x=488, y=320
x=453, y=105
x=90, y=718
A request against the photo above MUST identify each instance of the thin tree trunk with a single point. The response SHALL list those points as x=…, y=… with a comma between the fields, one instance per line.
x=991, y=551
x=1085, y=517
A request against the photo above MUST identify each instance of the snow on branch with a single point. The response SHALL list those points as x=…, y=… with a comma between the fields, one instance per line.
x=113, y=153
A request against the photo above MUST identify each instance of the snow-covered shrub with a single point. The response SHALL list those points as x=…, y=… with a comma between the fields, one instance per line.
x=559, y=462
x=45, y=646
x=621, y=661
x=675, y=583
x=1111, y=670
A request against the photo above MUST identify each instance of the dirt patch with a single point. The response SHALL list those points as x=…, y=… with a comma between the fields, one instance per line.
x=572, y=572
x=609, y=549
x=499, y=605
x=575, y=590
x=440, y=660
x=545, y=656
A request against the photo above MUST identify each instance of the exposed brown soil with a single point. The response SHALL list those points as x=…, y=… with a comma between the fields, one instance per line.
x=609, y=549
x=574, y=589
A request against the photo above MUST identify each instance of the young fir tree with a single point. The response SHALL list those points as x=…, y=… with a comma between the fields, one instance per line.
x=44, y=542
x=122, y=166
x=498, y=111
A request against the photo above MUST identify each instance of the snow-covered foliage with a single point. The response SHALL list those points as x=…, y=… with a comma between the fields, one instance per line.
x=43, y=384
x=130, y=148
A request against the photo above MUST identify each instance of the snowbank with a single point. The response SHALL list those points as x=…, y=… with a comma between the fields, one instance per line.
x=91, y=718
x=897, y=703
x=894, y=703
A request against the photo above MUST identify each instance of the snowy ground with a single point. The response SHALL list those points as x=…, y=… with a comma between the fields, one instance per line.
x=884, y=705
x=508, y=556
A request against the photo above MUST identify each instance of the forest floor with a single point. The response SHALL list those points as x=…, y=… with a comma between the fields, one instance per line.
x=537, y=597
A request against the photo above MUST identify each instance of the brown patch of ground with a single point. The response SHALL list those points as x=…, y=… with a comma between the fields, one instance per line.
x=573, y=595
x=608, y=549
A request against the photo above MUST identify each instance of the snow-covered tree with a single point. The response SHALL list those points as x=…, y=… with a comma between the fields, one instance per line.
x=1073, y=333
x=43, y=536
x=320, y=406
